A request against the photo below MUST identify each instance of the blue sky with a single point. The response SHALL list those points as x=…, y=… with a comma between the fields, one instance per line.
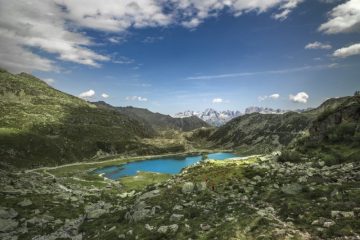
x=195, y=60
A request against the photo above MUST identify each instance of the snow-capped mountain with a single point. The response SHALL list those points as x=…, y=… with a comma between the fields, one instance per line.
x=211, y=116
x=218, y=118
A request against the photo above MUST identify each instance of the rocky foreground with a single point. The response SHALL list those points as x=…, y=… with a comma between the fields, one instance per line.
x=257, y=198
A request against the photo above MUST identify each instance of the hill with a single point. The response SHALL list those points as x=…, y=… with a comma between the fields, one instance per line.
x=40, y=125
x=262, y=133
x=158, y=121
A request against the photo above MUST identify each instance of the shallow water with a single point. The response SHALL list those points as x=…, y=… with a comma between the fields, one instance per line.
x=170, y=165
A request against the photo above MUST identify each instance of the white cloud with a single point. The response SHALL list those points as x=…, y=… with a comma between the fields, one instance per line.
x=244, y=74
x=217, y=100
x=88, y=94
x=301, y=97
x=318, y=45
x=343, y=18
x=56, y=27
x=286, y=9
x=123, y=60
x=49, y=81
x=136, y=98
x=151, y=39
x=104, y=95
x=272, y=96
x=347, y=51
x=41, y=25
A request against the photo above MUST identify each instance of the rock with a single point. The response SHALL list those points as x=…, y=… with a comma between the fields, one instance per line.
x=173, y=228
x=257, y=178
x=176, y=217
x=162, y=229
x=149, y=227
x=7, y=225
x=74, y=199
x=328, y=224
x=7, y=213
x=302, y=179
x=205, y=226
x=26, y=202
x=291, y=189
x=122, y=236
x=188, y=187
x=95, y=213
x=112, y=228
x=342, y=214
x=178, y=208
x=150, y=194
x=201, y=186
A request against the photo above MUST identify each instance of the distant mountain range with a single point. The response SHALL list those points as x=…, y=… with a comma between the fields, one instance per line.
x=218, y=118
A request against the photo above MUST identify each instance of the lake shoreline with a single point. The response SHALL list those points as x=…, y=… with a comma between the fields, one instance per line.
x=126, y=159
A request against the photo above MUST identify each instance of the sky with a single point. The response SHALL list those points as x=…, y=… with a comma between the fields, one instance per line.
x=175, y=55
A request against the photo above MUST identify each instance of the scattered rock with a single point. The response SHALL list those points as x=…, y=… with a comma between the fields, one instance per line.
x=205, y=226
x=328, y=224
x=95, y=213
x=162, y=229
x=7, y=213
x=291, y=189
x=26, y=202
x=342, y=214
x=188, y=187
x=173, y=228
x=176, y=217
x=149, y=227
x=7, y=225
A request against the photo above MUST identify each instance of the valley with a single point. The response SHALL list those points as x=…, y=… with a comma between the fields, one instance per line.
x=294, y=175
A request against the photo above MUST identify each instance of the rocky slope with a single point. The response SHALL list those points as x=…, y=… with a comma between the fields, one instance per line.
x=158, y=121
x=258, y=198
x=261, y=133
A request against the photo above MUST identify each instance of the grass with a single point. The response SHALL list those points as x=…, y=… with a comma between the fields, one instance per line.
x=142, y=179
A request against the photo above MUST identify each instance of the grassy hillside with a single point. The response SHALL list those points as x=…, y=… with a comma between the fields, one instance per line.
x=260, y=132
x=43, y=126
x=159, y=121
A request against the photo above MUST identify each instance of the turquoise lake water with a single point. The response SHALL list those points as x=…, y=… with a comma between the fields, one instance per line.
x=171, y=165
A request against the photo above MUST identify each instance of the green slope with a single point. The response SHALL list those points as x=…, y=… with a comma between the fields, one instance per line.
x=159, y=121
x=43, y=126
x=261, y=133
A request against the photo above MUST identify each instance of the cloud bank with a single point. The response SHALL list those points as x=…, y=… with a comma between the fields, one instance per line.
x=56, y=27
x=301, y=97
x=88, y=94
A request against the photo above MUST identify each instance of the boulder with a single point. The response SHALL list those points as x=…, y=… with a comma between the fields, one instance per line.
x=162, y=229
x=201, y=186
x=26, y=202
x=205, y=227
x=342, y=214
x=188, y=187
x=149, y=227
x=95, y=213
x=176, y=217
x=7, y=213
x=7, y=225
x=291, y=189
x=150, y=194
x=173, y=228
